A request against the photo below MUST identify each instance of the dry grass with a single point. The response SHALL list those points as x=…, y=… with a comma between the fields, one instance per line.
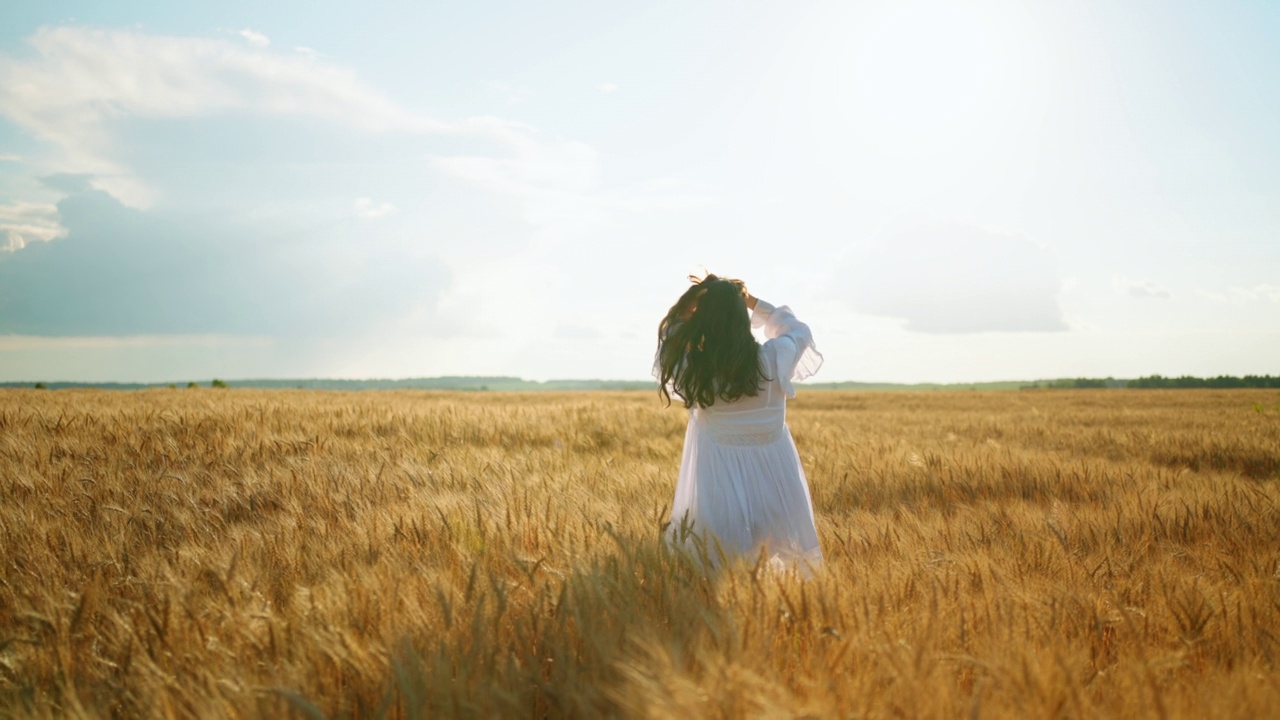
x=252, y=553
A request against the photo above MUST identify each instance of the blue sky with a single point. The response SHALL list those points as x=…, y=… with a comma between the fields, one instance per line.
x=944, y=191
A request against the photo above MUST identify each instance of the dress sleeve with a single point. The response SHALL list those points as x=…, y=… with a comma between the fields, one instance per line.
x=796, y=356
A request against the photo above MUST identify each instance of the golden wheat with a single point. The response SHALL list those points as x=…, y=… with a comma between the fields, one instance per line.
x=217, y=553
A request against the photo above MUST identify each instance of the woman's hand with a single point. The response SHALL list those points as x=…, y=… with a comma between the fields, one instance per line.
x=751, y=299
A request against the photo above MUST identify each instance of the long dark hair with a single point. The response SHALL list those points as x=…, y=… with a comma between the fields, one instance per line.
x=706, y=351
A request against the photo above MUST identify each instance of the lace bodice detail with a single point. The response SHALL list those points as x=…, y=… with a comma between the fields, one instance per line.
x=746, y=439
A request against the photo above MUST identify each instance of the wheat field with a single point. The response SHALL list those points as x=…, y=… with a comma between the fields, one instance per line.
x=242, y=553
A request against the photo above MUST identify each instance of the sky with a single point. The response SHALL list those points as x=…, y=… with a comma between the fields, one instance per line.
x=943, y=191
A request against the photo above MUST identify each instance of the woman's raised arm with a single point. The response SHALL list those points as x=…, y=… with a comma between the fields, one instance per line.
x=792, y=341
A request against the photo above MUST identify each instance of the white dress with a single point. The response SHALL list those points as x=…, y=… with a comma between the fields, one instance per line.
x=741, y=485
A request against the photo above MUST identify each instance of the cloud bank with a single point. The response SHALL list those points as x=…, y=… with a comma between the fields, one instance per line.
x=121, y=271
x=256, y=153
x=955, y=280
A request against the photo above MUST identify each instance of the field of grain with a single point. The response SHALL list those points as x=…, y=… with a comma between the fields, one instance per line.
x=409, y=554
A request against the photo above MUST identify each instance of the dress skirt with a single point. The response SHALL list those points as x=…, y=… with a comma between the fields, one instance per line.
x=747, y=493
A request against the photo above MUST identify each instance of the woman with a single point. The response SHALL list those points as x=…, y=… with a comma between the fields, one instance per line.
x=741, y=487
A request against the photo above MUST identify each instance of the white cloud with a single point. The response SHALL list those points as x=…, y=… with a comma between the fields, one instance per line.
x=608, y=87
x=1144, y=289
x=23, y=223
x=367, y=209
x=10, y=157
x=79, y=82
x=552, y=179
x=254, y=37
x=1260, y=293
x=556, y=181
x=1257, y=293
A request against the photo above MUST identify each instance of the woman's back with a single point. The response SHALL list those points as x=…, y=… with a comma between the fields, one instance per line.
x=761, y=417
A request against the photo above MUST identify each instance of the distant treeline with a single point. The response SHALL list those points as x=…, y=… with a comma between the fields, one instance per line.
x=1161, y=382
x=515, y=384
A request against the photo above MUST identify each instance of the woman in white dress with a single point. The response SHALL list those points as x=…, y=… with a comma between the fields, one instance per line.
x=741, y=488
